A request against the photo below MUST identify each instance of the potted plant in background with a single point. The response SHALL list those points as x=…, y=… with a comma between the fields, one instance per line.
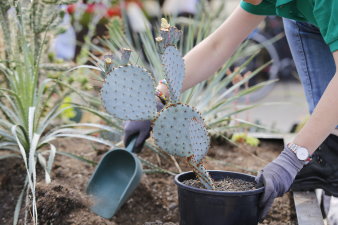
x=179, y=130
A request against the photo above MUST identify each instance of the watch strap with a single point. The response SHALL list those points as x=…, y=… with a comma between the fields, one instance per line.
x=293, y=147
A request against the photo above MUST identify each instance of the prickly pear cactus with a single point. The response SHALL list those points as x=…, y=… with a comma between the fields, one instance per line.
x=180, y=131
x=171, y=59
x=112, y=61
x=125, y=55
x=174, y=71
x=199, y=139
x=201, y=173
x=169, y=35
x=129, y=94
x=172, y=131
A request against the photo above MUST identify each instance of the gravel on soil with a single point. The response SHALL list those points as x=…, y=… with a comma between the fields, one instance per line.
x=227, y=184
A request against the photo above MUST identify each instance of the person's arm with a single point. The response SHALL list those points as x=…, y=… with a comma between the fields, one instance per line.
x=209, y=55
x=278, y=175
x=203, y=61
x=324, y=118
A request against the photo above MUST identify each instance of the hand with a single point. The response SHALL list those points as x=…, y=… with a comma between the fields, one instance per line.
x=277, y=178
x=140, y=127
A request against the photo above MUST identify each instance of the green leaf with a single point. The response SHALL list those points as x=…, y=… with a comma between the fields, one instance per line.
x=19, y=203
x=31, y=180
x=51, y=158
x=98, y=126
x=85, y=66
x=71, y=155
x=9, y=156
x=154, y=167
x=43, y=163
x=6, y=135
x=49, y=138
x=10, y=114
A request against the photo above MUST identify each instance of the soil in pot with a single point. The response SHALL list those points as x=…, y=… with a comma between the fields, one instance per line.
x=227, y=184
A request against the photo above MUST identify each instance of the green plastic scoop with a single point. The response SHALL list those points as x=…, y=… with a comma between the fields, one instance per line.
x=114, y=180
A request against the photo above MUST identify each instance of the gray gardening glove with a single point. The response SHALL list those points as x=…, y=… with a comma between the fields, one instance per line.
x=140, y=127
x=277, y=178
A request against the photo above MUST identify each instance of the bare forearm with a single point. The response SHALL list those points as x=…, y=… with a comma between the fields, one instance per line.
x=324, y=119
x=208, y=56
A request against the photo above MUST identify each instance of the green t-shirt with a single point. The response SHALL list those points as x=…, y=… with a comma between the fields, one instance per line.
x=321, y=13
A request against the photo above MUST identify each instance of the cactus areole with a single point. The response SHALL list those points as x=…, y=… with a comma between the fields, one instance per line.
x=128, y=93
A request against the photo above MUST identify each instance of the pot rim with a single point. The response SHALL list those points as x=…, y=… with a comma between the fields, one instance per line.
x=211, y=192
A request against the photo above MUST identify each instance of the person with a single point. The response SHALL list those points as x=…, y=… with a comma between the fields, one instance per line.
x=312, y=32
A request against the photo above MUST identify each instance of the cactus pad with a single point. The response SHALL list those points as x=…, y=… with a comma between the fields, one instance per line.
x=199, y=139
x=161, y=44
x=174, y=72
x=125, y=55
x=108, y=64
x=170, y=34
x=171, y=130
x=175, y=35
x=129, y=94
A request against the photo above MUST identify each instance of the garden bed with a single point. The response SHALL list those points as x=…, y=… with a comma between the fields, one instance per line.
x=154, y=202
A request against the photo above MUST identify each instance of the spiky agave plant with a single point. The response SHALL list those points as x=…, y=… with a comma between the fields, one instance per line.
x=28, y=123
x=129, y=94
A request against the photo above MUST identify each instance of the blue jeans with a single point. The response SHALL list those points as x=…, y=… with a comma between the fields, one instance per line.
x=313, y=59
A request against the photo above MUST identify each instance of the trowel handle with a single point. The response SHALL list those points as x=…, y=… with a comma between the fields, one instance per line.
x=130, y=146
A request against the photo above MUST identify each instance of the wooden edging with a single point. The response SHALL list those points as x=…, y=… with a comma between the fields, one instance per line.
x=307, y=208
x=263, y=135
x=306, y=203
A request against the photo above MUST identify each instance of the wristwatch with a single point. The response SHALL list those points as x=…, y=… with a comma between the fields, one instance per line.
x=301, y=152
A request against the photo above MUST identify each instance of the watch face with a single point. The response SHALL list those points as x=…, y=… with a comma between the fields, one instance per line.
x=302, y=154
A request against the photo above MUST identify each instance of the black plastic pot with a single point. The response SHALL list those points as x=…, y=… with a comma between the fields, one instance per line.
x=206, y=207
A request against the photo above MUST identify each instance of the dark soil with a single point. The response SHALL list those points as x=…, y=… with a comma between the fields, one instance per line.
x=12, y=175
x=154, y=202
x=227, y=184
x=55, y=200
